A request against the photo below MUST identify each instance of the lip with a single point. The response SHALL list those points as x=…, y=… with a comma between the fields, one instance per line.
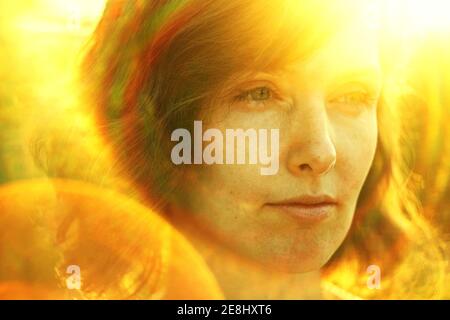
x=307, y=208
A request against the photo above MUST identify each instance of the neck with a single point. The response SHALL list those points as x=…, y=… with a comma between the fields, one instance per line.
x=241, y=278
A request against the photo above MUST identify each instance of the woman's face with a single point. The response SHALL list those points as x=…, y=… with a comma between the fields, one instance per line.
x=325, y=110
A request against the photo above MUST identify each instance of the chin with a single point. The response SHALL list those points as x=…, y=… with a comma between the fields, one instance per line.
x=306, y=261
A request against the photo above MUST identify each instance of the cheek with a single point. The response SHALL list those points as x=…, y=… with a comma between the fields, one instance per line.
x=224, y=198
x=241, y=182
x=356, y=149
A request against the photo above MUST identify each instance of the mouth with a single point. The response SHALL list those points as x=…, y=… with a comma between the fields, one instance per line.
x=307, y=208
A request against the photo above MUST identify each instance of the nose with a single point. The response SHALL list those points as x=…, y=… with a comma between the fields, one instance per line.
x=311, y=149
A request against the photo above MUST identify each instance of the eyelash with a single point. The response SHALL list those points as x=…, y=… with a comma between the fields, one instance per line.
x=363, y=98
x=245, y=95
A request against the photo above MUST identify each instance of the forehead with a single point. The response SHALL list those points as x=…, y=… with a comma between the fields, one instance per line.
x=353, y=51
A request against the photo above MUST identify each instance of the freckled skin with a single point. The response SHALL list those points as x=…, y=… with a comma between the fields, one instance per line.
x=325, y=148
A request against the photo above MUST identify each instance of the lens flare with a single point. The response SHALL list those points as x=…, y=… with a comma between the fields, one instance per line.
x=422, y=16
x=43, y=44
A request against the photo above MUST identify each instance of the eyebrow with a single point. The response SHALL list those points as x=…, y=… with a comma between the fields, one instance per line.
x=373, y=74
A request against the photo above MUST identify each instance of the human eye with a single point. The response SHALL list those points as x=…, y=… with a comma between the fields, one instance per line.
x=256, y=97
x=353, y=100
x=257, y=94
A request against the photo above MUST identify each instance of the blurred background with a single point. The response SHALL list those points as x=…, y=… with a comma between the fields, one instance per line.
x=41, y=45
